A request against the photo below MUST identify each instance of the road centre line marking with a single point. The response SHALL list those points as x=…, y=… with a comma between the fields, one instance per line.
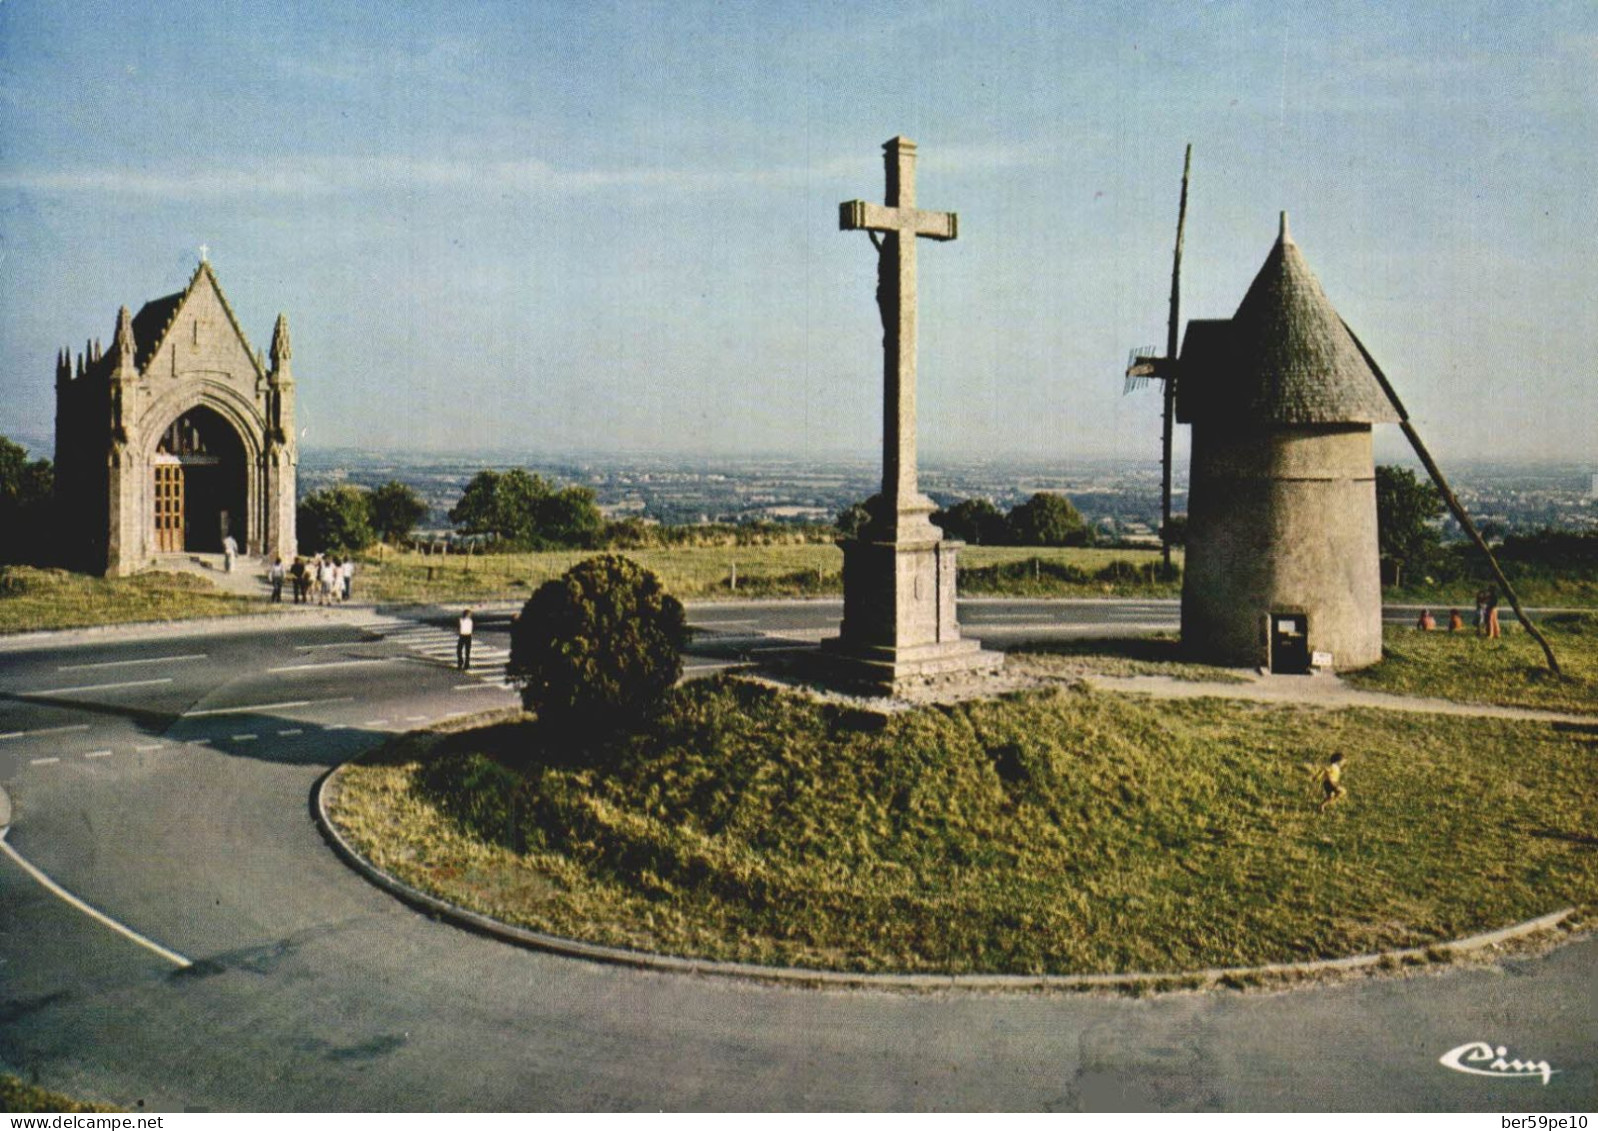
x=98, y=754
x=98, y=687
x=125, y=663
x=375, y=723
x=147, y=749
x=101, y=917
x=198, y=742
x=340, y=644
x=44, y=761
x=258, y=707
x=245, y=737
x=330, y=664
x=286, y=733
x=479, y=687
x=45, y=730
x=986, y=617
x=337, y=726
x=416, y=718
x=717, y=623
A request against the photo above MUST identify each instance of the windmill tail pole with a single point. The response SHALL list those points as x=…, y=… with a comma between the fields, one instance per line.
x=1172, y=329
x=1454, y=505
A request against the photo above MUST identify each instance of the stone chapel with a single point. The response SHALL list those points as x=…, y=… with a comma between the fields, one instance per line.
x=178, y=437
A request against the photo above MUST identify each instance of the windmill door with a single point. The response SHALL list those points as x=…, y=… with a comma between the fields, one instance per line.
x=1290, y=653
x=168, y=508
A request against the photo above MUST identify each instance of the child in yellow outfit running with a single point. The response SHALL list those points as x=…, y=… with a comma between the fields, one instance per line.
x=1331, y=779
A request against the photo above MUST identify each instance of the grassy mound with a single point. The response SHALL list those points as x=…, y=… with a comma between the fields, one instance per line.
x=1046, y=832
x=1510, y=671
x=33, y=599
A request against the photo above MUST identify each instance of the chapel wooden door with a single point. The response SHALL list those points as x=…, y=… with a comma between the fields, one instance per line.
x=169, y=508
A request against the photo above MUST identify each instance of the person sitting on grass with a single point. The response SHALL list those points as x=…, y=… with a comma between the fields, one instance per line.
x=1456, y=623
x=1427, y=622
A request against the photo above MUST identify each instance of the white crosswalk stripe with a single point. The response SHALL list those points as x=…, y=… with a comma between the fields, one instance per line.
x=438, y=645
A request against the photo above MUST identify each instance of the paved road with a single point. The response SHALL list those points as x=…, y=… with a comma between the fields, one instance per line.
x=164, y=779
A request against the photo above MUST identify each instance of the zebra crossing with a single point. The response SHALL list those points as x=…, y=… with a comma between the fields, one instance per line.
x=438, y=645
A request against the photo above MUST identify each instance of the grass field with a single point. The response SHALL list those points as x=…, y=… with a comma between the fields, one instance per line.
x=1538, y=592
x=1044, y=832
x=1510, y=671
x=32, y=599
x=762, y=571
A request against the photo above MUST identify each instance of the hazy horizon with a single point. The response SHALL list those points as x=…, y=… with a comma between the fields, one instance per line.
x=614, y=229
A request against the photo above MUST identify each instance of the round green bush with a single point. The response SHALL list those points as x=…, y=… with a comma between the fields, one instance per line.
x=596, y=650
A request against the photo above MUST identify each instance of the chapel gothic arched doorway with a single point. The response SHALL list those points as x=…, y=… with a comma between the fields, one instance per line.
x=200, y=485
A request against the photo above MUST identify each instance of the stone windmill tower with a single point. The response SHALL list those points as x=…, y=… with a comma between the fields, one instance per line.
x=1282, y=558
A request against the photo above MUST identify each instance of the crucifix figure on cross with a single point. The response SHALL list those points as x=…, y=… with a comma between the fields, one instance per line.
x=900, y=222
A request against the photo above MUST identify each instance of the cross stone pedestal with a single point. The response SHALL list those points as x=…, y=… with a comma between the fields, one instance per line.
x=899, y=627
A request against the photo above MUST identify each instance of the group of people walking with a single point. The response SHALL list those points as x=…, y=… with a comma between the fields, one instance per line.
x=1486, y=616
x=330, y=579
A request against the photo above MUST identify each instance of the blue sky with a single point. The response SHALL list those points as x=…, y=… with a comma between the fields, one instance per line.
x=613, y=227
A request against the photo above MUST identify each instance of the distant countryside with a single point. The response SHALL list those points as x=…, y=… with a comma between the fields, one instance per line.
x=768, y=527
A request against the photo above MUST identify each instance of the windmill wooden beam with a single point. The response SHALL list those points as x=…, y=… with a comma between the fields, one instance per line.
x=1143, y=366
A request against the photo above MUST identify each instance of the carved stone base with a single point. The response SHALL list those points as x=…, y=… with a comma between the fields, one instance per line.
x=894, y=671
x=899, y=626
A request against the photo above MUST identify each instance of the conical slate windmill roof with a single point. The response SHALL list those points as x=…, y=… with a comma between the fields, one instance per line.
x=1285, y=357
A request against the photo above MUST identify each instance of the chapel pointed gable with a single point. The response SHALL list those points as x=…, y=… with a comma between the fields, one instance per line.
x=196, y=332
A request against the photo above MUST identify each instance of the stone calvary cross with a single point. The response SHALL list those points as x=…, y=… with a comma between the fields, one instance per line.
x=904, y=508
x=899, y=627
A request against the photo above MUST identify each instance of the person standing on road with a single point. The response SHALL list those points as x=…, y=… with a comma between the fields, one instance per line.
x=275, y=576
x=348, y=577
x=230, y=550
x=297, y=576
x=1493, y=631
x=463, y=643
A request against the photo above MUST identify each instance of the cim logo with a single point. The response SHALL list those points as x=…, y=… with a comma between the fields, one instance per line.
x=1481, y=1059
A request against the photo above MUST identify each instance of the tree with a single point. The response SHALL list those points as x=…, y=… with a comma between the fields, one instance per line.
x=976, y=521
x=27, y=491
x=596, y=650
x=856, y=517
x=569, y=517
x=526, y=510
x=337, y=520
x=1047, y=519
x=396, y=509
x=1406, y=510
